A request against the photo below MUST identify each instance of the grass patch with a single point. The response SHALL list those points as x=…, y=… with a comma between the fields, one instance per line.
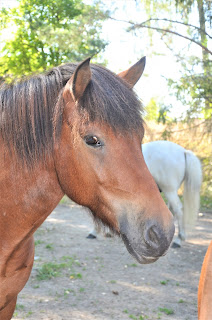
x=68, y=291
x=112, y=281
x=131, y=316
x=49, y=246
x=19, y=307
x=37, y=242
x=71, y=261
x=134, y=265
x=181, y=301
x=76, y=276
x=50, y=270
x=166, y=311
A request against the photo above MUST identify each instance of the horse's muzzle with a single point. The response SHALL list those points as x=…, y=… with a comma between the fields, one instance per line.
x=147, y=243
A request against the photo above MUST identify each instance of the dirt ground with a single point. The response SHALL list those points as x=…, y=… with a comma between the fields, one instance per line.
x=76, y=278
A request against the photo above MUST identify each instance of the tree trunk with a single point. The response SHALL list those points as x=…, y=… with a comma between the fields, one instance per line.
x=203, y=37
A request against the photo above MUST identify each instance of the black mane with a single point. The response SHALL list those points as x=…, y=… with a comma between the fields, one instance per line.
x=31, y=110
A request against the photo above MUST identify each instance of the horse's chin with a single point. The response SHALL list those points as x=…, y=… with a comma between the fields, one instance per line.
x=139, y=257
x=143, y=259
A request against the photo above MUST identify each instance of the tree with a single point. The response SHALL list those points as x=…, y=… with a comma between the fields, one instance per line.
x=172, y=20
x=48, y=33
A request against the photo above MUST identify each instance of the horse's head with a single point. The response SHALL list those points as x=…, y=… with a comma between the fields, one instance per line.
x=99, y=161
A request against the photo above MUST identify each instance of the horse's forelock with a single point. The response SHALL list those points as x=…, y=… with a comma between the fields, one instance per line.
x=107, y=98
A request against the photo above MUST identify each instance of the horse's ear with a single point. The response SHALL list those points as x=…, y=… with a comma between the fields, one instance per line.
x=133, y=74
x=77, y=84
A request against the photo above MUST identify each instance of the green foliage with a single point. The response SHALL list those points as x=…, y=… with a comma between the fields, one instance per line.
x=194, y=89
x=153, y=7
x=163, y=114
x=157, y=111
x=184, y=6
x=206, y=202
x=151, y=110
x=48, y=33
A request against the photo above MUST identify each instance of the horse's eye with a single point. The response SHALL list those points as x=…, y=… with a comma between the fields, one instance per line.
x=92, y=141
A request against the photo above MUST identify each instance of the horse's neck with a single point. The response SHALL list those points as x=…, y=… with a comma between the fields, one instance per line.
x=27, y=198
x=205, y=287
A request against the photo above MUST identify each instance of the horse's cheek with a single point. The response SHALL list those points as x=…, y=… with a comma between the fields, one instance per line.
x=73, y=171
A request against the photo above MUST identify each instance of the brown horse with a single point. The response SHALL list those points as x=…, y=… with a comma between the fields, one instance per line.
x=76, y=130
x=205, y=287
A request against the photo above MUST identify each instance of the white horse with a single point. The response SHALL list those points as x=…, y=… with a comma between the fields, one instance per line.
x=170, y=166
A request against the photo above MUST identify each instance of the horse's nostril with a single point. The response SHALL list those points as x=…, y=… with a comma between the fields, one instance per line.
x=152, y=236
x=157, y=239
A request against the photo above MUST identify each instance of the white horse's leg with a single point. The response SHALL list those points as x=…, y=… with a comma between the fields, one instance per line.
x=93, y=233
x=177, y=209
x=96, y=230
